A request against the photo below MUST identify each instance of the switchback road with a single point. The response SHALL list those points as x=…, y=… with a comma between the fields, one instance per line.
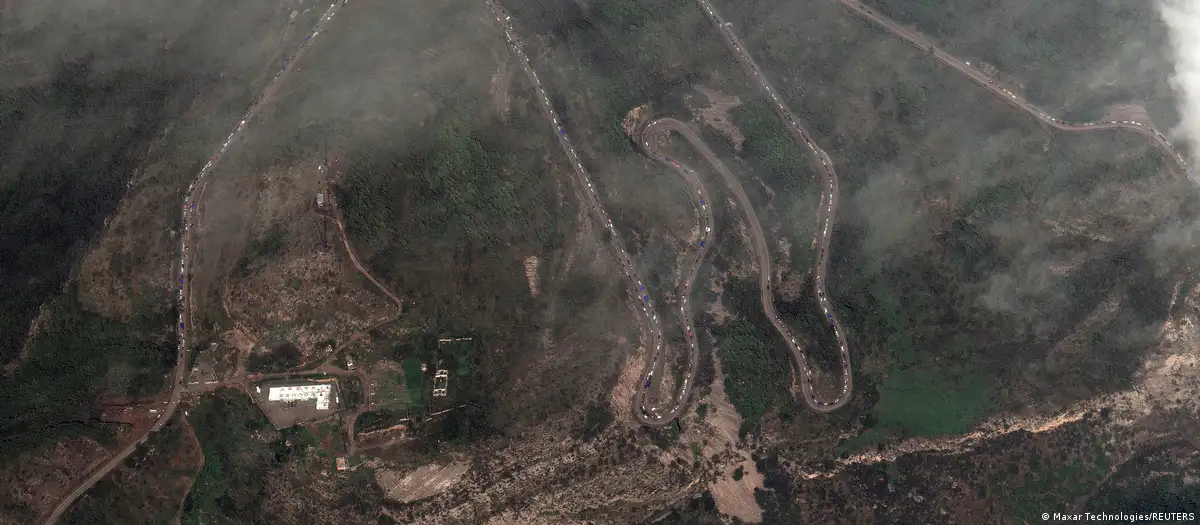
x=761, y=250
x=829, y=201
x=184, y=297
x=986, y=82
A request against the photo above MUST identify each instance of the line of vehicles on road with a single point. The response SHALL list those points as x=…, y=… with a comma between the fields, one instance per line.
x=188, y=222
x=820, y=267
x=647, y=413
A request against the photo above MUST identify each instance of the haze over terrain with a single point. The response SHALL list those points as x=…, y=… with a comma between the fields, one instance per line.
x=1183, y=20
x=601, y=261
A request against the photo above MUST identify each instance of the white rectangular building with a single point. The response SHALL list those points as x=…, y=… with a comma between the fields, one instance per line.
x=301, y=393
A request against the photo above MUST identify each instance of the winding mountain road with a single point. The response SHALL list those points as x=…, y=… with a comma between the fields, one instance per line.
x=189, y=214
x=988, y=83
x=828, y=210
x=760, y=248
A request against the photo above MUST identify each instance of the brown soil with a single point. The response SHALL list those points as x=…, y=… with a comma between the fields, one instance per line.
x=34, y=327
x=39, y=479
x=717, y=115
x=421, y=483
x=312, y=297
x=733, y=497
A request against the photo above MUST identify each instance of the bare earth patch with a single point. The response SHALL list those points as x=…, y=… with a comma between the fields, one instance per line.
x=733, y=497
x=305, y=299
x=621, y=400
x=34, y=327
x=1132, y=112
x=531, y=274
x=37, y=480
x=421, y=483
x=717, y=115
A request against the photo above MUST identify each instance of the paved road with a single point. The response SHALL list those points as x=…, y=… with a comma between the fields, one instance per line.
x=760, y=242
x=645, y=410
x=1005, y=94
x=184, y=296
x=648, y=414
x=829, y=201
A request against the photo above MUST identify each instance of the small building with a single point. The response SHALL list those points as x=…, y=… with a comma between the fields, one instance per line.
x=440, y=382
x=341, y=463
x=321, y=199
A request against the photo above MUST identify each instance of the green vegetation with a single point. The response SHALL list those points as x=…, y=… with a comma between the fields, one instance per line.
x=414, y=379
x=771, y=149
x=240, y=451
x=666, y=437
x=459, y=356
x=280, y=357
x=950, y=218
x=145, y=489
x=262, y=250
x=919, y=397
x=701, y=410
x=1171, y=493
x=596, y=418
x=756, y=369
x=1057, y=47
x=380, y=419
x=352, y=392
x=627, y=53
x=64, y=169
x=1046, y=483
x=332, y=439
x=452, y=192
x=738, y=473
x=62, y=175
x=68, y=366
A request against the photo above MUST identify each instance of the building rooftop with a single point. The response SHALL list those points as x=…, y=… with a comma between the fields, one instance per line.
x=301, y=393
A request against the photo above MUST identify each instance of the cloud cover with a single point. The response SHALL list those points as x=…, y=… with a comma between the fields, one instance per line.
x=1182, y=18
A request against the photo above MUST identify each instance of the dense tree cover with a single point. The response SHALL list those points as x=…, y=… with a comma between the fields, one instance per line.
x=954, y=297
x=352, y=392
x=240, y=452
x=596, y=418
x=756, y=366
x=63, y=167
x=630, y=53
x=770, y=149
x=464, y=185
x=1149, y=494
x=776, y=498
x=69, y=365
x=262, y=250
x=280, y=356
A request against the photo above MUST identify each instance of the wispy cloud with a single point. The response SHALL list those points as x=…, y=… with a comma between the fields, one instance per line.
x=1183, y=21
